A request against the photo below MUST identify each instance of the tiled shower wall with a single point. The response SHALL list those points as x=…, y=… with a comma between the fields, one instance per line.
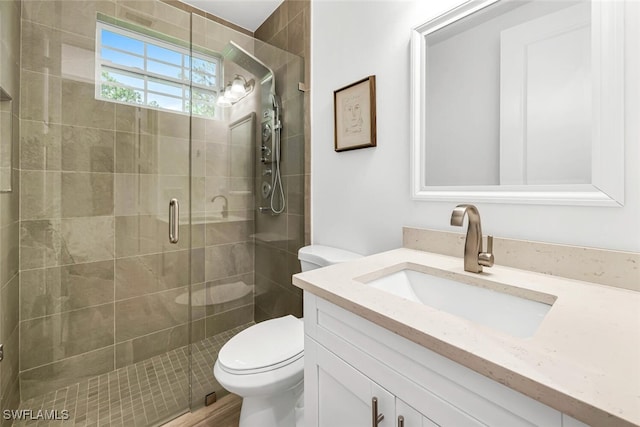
x=9, y=210
x=224, y=244
x=102, y=287
x=276, y=257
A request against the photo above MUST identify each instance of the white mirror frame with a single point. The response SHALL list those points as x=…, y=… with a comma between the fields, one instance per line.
x=607, y=187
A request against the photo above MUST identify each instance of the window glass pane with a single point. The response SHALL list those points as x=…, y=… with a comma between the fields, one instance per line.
x=165, y=87
x=122, y=42
x=166, y=55
x=110, y=75
x=204, y=72
x=166, y=70
x=116, y=93
x=206, y=96
x=204, y=79
x=136, y=69
x=206, y=110
x=122, y=58
x=167, y=102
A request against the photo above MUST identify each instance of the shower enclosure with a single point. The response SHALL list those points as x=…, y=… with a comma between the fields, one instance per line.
x=125, y=106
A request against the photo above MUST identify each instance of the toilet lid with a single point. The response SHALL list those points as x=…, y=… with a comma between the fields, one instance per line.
x=264, y=346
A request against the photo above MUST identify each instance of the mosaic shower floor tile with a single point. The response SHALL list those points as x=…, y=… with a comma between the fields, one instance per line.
x=147, y=393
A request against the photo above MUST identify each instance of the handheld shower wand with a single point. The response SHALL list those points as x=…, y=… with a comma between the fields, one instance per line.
x=277, y=178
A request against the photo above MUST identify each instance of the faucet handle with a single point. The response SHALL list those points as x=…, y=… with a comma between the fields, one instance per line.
x=486, y=259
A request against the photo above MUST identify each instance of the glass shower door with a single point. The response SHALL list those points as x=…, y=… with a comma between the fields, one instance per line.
x=105, y=143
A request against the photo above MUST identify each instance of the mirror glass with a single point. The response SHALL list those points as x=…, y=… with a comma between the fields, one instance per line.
x=508, y=97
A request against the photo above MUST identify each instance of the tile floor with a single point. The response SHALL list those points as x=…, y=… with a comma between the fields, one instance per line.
x=147, y=393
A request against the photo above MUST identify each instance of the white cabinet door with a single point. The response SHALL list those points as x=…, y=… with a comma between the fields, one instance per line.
x=344, y=395
x=411, y=417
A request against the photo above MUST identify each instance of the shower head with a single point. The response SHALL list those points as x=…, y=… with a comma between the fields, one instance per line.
x=235, y=53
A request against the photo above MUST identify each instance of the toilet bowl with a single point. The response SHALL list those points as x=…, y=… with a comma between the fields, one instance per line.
x=264, y=363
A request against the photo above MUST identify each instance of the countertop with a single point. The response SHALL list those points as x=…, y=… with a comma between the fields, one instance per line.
x=583, y=360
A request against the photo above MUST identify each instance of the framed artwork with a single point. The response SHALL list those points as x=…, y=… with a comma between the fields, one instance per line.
x=355, y=115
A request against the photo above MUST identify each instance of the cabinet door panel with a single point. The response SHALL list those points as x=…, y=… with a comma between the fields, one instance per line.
x=344, y=395
x=412, y=418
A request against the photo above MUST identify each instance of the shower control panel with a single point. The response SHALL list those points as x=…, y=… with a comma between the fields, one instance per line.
x=267, y=148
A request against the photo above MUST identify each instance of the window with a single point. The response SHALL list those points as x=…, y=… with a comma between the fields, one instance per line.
x=134, y=68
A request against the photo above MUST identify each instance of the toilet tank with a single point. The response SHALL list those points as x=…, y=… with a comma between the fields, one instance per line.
x=316, y=256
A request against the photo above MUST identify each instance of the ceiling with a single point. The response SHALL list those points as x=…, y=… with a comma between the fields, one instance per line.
x=248, y=14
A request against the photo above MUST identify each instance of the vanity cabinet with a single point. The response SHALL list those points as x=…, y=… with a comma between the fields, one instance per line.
x=350, y=360
x=346, y=396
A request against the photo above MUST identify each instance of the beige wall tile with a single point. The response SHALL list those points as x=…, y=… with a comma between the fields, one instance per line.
x=293, y=155
x=136, y=276
x=41, y=48
x=10, y=314
x=157, y=16
x=217, y=159
x=136, y=194
x=80, y=107
x=295, y=34
x=218, y=233
x=227, y=294
x=40, y=146
x=60, y=289
x=198, y=330
x=10, y=202
x=9, y=252
x=87, y=149
x=197, y=265
x=228, y=260
x=40, y=194
x=228, y=320
x=52, y=338
x=295, y=232
x=70, y=16
x=40, y=244
x=79, y=237
x=145, y=347
x=40, y=97
x=199, y=196
x=273, y=300
x=136, y=317
x=295, y=194
x=137, y=235
x=272, y=263
x=87, y=194
x=37, y=381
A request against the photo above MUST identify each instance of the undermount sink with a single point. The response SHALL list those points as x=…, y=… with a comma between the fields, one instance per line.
x=513, y=315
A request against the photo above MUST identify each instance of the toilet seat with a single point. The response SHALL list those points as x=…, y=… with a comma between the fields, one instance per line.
x=266, y=346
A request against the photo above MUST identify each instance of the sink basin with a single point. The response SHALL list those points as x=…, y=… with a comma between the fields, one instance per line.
x=514, y=315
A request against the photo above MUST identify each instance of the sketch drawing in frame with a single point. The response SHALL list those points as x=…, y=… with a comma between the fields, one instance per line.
x=355, y=115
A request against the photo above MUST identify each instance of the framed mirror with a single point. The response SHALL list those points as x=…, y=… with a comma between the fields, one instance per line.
x=6, y=140
x=520, y=102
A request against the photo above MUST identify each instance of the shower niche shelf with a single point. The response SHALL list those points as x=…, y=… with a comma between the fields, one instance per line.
x=6, y=140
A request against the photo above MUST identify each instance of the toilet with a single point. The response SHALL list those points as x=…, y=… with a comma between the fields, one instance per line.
x=264, y=364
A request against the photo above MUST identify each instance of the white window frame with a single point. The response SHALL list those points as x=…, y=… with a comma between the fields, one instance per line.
x=187, y=85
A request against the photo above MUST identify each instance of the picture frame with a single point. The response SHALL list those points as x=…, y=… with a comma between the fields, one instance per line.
x=355, y=115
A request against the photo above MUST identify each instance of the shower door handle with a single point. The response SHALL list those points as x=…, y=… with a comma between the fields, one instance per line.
x=174, y=215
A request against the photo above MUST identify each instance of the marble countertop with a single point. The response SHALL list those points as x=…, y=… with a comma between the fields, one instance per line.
x=583, y=360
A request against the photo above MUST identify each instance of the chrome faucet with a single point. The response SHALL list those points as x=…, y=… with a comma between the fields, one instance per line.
x=225, y=208
x=474, y=257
